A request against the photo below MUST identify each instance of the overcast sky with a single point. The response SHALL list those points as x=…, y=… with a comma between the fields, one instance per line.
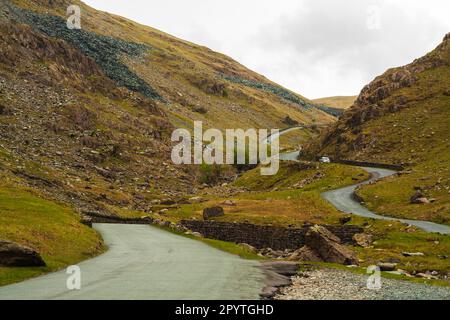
x=317, y=48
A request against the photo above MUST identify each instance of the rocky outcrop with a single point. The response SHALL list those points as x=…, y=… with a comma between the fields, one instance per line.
x=229, y=203
x=200, y=109
x=278, y=275
x=86, y=220
x=387, y=266
x=328, y=247
x=16, y=255
x=419, y=198
x=322, y=245
x=345, y=220
x=392, y=92
x=305, y=254
x=208, y=85
x=368, y=105
x=363, y=240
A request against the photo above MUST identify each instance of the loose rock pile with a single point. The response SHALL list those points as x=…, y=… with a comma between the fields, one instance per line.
x=328, y=284
x=320, y=246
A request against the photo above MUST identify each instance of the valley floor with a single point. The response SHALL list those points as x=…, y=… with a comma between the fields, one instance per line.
x=294, y=196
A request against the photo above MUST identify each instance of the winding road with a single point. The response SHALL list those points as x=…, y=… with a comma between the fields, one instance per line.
x=344, y=201
x=146, y=263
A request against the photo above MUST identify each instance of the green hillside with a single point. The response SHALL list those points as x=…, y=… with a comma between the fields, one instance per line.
x=340, y=102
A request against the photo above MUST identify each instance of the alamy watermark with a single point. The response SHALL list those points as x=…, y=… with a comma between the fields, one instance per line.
x=373, y=21
x=74, y=19
x=238, y=147
x=73, y=282
x=374, y=280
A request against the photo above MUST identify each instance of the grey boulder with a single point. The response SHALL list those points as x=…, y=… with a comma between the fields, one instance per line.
x=213, y=212
x=16, y=255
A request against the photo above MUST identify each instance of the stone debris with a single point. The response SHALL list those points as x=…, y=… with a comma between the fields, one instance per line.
x=278, y=275
x=413, y=254
x=229, y=203
x=419, y=198
x=387, y=266
x=322, y=245
x=330, y=284
x=363, y=240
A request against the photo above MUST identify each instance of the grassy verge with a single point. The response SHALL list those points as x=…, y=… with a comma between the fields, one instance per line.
x=392, y=196
x=229, y=247
x=391, y=239
x=51, y=229
x=314, y=177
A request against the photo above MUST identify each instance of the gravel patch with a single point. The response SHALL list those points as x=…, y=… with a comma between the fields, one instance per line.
x=329, y=284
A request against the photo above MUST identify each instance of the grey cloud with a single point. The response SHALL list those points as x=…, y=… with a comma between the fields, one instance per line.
x=335, y=33
x=315, y=47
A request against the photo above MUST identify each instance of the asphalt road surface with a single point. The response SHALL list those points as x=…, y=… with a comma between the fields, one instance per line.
x=343, y=200
x=145, y=263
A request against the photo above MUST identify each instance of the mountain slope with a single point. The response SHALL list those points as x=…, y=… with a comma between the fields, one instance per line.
x=65, y=127
x=339, y=102
x=86, y=115
x=402, y=117
x=193, y=81
x=334, y=105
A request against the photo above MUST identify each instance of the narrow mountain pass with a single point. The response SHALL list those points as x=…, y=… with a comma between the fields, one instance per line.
x=344, y=201
x=343, y=198
x=145, y=263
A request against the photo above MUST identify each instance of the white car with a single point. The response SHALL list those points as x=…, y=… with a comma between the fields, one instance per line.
x=325, y=160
